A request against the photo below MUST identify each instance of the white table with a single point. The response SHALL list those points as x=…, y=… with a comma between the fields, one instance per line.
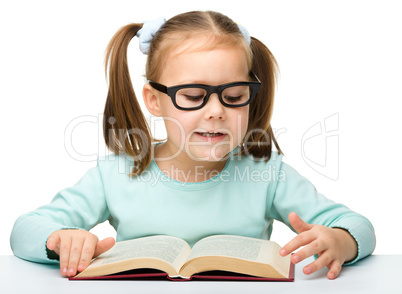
x=374, y=274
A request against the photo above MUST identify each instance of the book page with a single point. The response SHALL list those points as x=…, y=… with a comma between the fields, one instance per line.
x=167, y=248
x=233, y=246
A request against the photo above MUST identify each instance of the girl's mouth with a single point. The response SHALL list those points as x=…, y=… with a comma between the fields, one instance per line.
x=210, y=134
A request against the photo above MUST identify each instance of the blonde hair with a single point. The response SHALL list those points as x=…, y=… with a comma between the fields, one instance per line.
x=124, y=125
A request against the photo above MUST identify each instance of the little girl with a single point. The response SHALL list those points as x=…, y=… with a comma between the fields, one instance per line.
x=216, y=172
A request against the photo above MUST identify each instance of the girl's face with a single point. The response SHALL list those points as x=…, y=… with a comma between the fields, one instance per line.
x=209, y=133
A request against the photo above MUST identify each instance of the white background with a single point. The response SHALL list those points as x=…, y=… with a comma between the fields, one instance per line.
x=339, y=60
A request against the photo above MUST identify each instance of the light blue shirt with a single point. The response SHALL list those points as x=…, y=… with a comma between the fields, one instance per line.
x=243, y=199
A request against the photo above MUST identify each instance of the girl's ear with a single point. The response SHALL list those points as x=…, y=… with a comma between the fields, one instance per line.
x=151, y=100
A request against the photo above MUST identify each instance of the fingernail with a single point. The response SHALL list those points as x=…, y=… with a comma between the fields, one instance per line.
x=71, y=271
x=296, y=259
x=307, y=270
x=64, y=270
x=331, y=276
x=282, y=252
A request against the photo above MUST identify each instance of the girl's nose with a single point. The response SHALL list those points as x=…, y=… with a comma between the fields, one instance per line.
x=214, y=108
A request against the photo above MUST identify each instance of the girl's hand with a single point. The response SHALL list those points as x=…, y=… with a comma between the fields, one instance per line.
x=76, y=248
x=333, y=245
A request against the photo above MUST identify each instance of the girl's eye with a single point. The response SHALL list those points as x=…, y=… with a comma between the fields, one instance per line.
x=194, y=98
x=236, y=94
x=233, y=99
x=190, y=95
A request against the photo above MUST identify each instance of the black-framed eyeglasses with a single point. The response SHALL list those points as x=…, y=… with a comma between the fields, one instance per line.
x=195, y=96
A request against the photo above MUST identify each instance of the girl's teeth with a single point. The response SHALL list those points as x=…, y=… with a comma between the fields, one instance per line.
x=211, y=134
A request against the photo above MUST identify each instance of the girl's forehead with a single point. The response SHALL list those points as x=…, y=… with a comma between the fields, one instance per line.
x=186, y=50
x=218, y=65
x=205, y=42
x=195, y=49
x=198, y=53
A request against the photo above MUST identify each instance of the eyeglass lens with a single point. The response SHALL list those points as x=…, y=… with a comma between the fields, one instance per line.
x=193, y=97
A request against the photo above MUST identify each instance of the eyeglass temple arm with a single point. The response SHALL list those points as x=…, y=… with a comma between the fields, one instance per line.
x=158, y=87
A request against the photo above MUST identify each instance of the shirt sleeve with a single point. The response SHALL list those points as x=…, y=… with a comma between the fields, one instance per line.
x=79, y=207
x=294, y=193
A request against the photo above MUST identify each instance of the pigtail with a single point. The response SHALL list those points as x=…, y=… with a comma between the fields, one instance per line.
x=260, y=136
x=124, y=126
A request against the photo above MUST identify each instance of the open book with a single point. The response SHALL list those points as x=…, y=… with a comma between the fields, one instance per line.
x=214, y=257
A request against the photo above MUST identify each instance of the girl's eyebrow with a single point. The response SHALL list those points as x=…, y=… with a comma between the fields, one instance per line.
x=189, y=82
x=185, y=82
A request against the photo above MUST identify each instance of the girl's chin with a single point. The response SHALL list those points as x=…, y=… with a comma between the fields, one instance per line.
x=209, y=154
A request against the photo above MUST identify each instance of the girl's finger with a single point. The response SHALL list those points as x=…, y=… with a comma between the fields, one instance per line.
x=298, y=224
x=314, y=247
x=88, y=251
x=64, y=254
x=322, y=261
x=300, y=240
x=53, y=241
x=334, y=269
x=75, y=255
x=104, y=245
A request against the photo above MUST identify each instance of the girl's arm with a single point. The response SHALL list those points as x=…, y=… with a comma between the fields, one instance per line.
x=79, y=207
x=333, y=233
